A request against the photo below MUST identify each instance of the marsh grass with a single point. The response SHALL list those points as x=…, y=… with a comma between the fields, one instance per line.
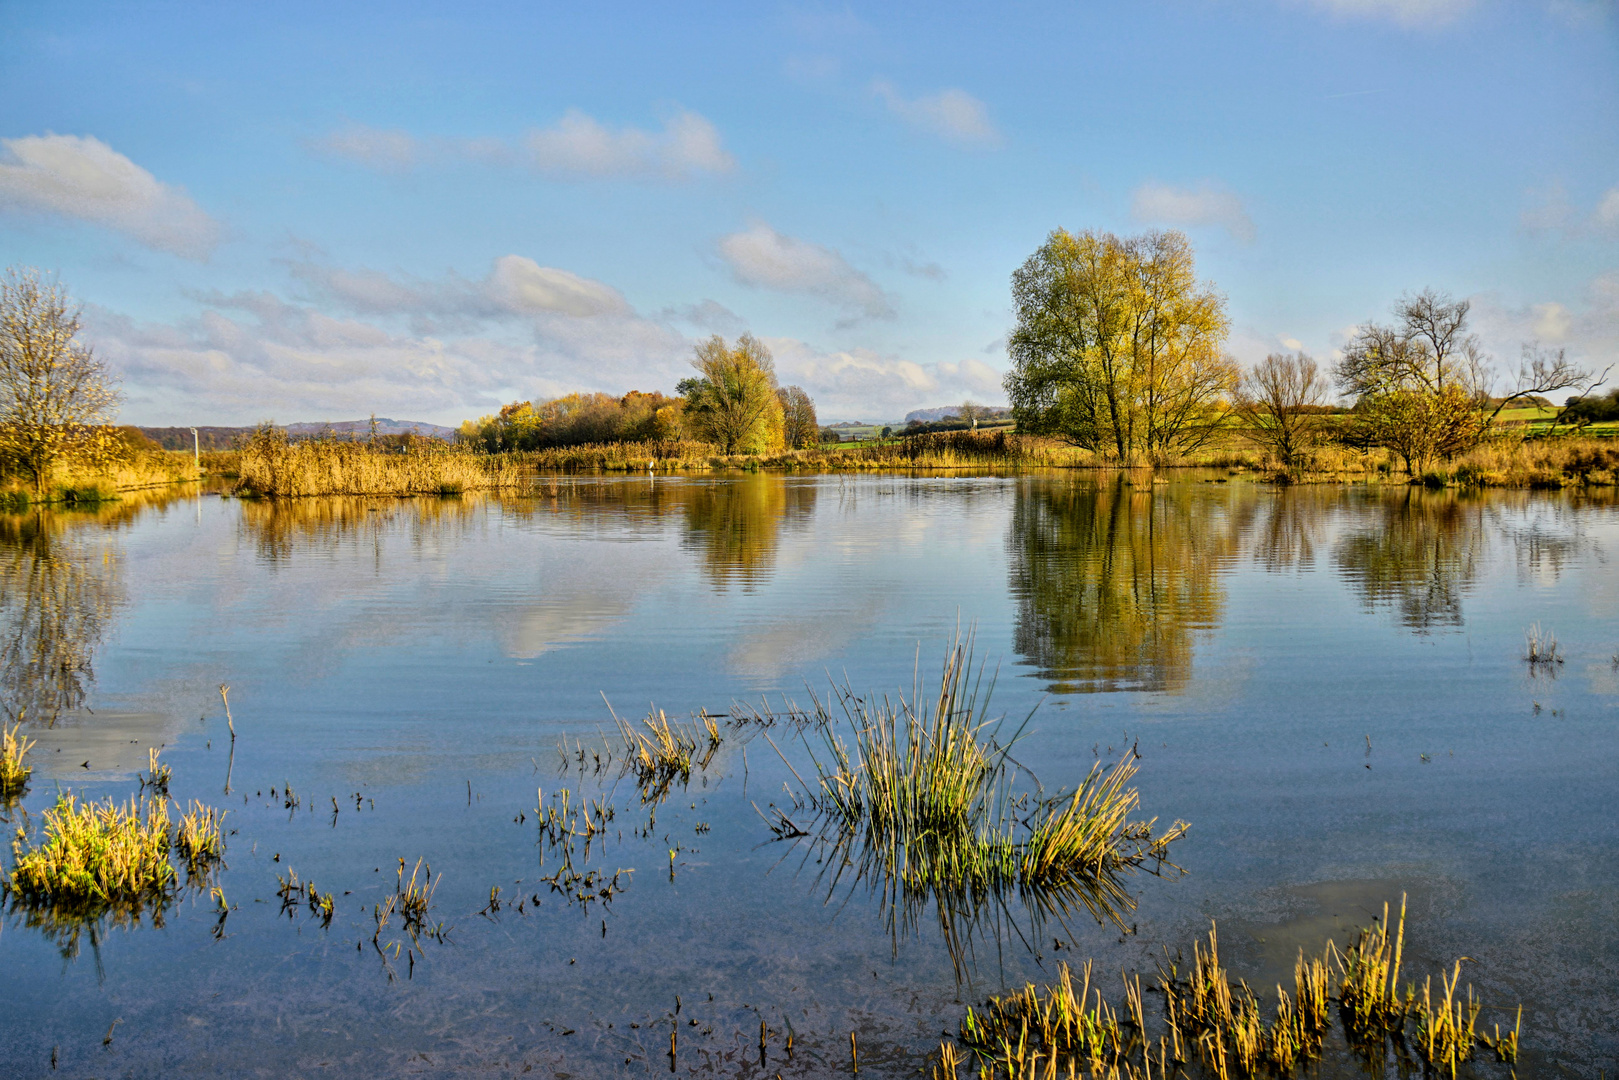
x=199, y=838
x=14, y=773
x=1540, y=646
x=95, y=855
x=1061, y=1030
x=661, y=752
x=295, y=894
x=921, y=799
x=271, y=465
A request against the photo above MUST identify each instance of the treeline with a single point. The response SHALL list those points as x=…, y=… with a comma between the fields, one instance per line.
x=733, y=402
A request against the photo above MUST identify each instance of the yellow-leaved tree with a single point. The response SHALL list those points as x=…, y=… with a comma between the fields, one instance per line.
x=1118, y=347
x=733, y=401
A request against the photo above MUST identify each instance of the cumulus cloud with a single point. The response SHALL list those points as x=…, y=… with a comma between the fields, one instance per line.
x=765, y=258
x=1408, y=13
x=1607, y=214
x=1206, y=204
x=388, y=150
x=951, y=113
x=82, y=178
x=1551, y=210
x=863, y=384
x=436, y=350
x=577, y=147
x=1587, y=326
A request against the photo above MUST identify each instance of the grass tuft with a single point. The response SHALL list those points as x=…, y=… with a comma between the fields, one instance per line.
x=14, y=746
x=96, y=855
x=1540, y=646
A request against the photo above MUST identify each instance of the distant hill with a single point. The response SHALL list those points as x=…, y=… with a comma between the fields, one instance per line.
x=928, y=415
x=226, y=438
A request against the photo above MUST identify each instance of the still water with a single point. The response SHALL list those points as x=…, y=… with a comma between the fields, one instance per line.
x=1327, y=683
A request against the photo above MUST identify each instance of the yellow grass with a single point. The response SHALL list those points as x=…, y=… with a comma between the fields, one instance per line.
x=96, y=854
x=269, y=465
x=14, y=746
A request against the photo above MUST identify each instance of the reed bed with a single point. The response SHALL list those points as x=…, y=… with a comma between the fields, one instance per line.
x=14, y=772
x=270, y=465
x=1206, y=1018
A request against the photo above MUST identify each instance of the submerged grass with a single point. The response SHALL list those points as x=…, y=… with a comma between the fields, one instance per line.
x=1540, y=646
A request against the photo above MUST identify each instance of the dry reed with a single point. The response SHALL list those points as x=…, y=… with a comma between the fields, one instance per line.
x=270, y=465
x=14, y=774
x=95, y=854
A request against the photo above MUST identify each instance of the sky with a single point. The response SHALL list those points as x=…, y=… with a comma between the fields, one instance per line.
x=300, y=212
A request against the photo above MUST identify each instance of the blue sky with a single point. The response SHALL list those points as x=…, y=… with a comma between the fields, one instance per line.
x=320, y=211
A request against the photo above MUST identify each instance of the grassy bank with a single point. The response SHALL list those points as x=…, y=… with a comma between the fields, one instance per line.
x=85, y=483
x=270, y=465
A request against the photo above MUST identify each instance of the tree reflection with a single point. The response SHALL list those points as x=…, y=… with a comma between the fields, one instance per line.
x=1419, y=554
x=736, y=525
x=58, y=594
x=1112, y=581
x=281, y=527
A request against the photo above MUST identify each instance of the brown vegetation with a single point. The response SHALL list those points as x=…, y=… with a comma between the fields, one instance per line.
x=272, y=465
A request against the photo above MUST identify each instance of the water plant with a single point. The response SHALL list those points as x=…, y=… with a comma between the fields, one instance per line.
x=1057, y=1030
x=95, y=855
x=659, y=752
x=157, y=775
x=198, y=837
x=1540, y=646
x=14, y=746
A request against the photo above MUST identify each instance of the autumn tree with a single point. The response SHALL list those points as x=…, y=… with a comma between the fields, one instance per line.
x=1278, y=402
x=1118, y=348
x=56, y=398
x=733, y=400
x=799, y=427
x=1422, y=384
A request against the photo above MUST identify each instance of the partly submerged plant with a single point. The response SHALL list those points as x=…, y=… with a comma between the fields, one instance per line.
x=1540, y=646
x=95, y=855
x=14, y=746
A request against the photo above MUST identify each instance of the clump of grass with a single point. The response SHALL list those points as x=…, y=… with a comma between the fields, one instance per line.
x=95, y=855
x=198, y=837
x=1540, y=646
x=1055, y=1031
x=14, y=774
x=414, y=901
x=928, y=785
x=294, y=893
x=157, y=775
x=659, y=753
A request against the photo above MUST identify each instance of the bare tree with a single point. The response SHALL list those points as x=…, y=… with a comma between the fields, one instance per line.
x=1276, y=401
x=1428, y=350
x=1543, y=371
x=799, y=427
x=54, y=394
x=969, y=412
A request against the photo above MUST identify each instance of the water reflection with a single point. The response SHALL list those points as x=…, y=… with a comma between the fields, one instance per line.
x=737, y=526
x=1114, y=579
x=1417, y=553
x=59, y=592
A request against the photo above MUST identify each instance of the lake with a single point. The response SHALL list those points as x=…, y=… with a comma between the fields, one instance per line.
x=1327, y=683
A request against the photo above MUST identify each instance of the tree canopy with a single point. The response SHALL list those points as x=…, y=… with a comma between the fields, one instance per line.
x=733, y=400
x=1118, y=347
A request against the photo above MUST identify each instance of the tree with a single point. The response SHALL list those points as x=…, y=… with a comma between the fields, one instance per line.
x=1118, y=348
x=799, y=427
x=1277, y=401
x=55, y=396
x=1421, y=385
x=733, y=402
x=970, y=412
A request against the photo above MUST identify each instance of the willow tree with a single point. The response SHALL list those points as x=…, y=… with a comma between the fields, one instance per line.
x=1118, y=347
x=56, y=398
x=733, y=401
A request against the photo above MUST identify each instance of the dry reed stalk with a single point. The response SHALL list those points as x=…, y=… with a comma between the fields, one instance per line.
x=199, y=837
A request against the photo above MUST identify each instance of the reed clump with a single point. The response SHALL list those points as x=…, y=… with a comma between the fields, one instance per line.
x=927, y=788
x=271, y=465
x=662, y=751
x=199, y=837
x=1206, y=1017
x=157, y=775
x=1540, y=646
x=95, y=855
x=14, y=772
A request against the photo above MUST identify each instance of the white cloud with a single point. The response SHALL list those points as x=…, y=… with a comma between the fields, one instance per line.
x=954, y=114
x=579, y=146
x=1408, y=13
x=390, y=150
x=439, y=351
x=862, y=384
x=1588, y=327
x=1607, y=214
x=83, y=178
x=765, y=258
x=1206, y=204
